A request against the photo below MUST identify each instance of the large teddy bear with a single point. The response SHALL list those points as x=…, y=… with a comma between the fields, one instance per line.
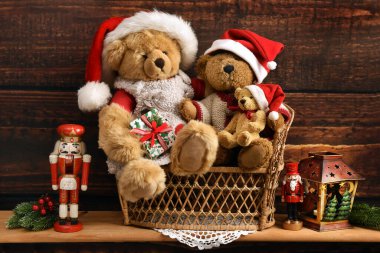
x=142, y=57
x=240, y=58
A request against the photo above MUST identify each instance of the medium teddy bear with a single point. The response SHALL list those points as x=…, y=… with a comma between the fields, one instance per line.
x=240, y=58
x=247, y=123
x=142, y=56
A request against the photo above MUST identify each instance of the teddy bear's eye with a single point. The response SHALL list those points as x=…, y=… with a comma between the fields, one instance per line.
x=251, y=97
x=165, y=52
x=144, y=56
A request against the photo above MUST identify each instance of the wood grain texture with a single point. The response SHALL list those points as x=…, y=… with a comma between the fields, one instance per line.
x=108, y=227
x=49, y=108
x=330, y=45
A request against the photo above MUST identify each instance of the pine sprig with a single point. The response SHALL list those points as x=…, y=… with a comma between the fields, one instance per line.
x=365, y=215
x=24, y=216
x=13, y=222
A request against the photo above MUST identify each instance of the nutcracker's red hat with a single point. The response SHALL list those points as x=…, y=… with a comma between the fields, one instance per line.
x=292, y=168
x=72, y=130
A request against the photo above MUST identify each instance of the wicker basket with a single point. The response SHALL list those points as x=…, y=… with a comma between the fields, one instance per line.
x=226, y=198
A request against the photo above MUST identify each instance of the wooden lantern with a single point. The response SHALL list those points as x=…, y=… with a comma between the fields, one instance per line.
x=330, y=187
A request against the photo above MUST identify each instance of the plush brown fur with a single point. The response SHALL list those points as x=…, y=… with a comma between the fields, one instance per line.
x=257, y=156
x=141, y=178
x=114, y=136
x=210, y=69
x=134, y=58
x=243, y=130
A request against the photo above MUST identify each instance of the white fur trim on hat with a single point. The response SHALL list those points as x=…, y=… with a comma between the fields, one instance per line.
x=259, y=96
x=272, y=65
x=172, y=25
x=93, y=96
x=273, y=115
x=242, y=52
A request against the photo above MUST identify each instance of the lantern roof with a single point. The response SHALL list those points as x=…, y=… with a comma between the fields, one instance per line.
x=326, y=167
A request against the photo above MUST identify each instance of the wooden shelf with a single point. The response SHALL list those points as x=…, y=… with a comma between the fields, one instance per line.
x=107, y=227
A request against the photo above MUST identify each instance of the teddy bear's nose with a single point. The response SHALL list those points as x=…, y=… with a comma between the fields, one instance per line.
x=242, y=101
x=159, y=63
x=228, y=68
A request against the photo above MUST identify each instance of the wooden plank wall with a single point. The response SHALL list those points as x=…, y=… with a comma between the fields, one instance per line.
x=330, y=70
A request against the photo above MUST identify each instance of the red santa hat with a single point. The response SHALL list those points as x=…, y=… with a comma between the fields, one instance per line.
x=257, y=51
x=96, y=92
x=269, y=98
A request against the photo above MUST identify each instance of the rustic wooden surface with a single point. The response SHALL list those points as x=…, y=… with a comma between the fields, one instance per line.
x=107, y=227
x=329, y=69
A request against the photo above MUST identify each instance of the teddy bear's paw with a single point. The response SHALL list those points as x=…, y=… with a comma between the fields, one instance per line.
x=188, y=110
x=194, y=150
x=257, y=156
x=254, y=127
x=226, y=139
x=141, y=178
x=244, y=139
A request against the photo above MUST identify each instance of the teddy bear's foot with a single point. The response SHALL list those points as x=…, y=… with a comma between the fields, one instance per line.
x=227, y=140
x=194, y=150
x=141, y=178
x=256, y=156
x=244, y=138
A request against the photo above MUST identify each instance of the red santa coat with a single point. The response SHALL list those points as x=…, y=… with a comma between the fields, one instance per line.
x=292, y=196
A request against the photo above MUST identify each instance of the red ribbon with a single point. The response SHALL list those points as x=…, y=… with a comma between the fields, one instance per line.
x=248, y=113
x=155, y=133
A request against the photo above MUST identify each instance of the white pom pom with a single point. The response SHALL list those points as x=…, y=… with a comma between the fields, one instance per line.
x=93, y=96
x=272, y=65
x=273, y=116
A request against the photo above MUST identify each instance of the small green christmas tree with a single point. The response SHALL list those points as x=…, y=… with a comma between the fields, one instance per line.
x=330, y=210
x=344, y=209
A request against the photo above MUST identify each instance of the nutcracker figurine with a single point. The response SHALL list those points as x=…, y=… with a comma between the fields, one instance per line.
x=292, y=194
x=69, y=158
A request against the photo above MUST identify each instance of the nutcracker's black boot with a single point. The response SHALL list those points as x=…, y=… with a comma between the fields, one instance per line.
x=62, y=221
x=74, y=221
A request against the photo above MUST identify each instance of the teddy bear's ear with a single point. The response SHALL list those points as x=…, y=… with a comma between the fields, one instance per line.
x=200, y=66
x=114, y=54
x=237, y=92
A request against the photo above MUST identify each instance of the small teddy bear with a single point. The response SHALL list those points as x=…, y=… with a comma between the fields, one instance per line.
x=247, y=123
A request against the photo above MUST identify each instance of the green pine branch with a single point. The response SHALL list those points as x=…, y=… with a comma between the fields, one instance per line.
x=364, y=215
x=24, y=217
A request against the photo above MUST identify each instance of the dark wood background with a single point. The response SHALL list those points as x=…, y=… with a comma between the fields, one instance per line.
x=330, y=70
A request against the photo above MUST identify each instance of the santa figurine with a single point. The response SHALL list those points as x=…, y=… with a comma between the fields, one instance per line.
x=292, y=194
x=69, y=158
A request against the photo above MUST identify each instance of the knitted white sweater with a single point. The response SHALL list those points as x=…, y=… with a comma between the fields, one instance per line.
x=164, y=95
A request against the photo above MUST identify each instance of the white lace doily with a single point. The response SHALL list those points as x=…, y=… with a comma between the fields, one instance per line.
x=204, y=239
